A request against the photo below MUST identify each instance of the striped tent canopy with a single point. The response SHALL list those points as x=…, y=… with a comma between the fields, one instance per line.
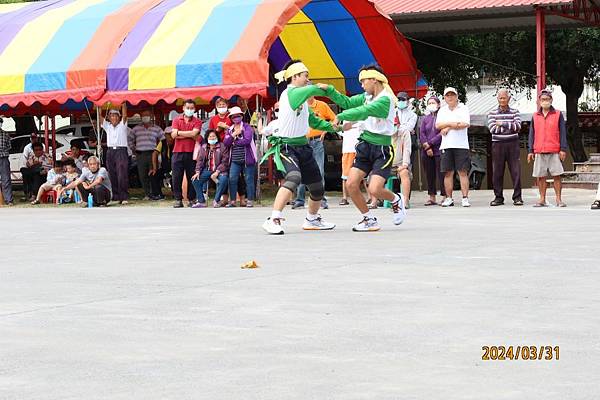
x=60, y=51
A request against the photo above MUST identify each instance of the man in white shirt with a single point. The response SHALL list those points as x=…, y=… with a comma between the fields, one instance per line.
x=117, y=153
x=454, y=120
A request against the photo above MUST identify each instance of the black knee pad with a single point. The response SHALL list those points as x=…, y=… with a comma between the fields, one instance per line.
x=316, y=190
x=292, y=180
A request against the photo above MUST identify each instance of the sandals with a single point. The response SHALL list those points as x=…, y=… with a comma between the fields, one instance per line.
x=596, y=205
x=561, y=204
x=344, y=202
x=430, y=203
x=35, y=202
x=537, y=205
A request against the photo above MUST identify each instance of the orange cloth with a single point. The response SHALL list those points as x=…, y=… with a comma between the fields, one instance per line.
x=347, y=163
x=321, y=110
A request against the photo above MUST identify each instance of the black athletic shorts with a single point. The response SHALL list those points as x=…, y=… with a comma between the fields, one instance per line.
x=301, y=159
x=374, y=159
x=455, y=160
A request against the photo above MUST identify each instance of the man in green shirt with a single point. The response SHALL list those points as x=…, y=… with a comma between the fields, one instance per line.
x=292, y=154
x=375, y=110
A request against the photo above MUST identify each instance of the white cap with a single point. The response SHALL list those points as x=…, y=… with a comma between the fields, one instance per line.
x=235, y=111
x=450, y=89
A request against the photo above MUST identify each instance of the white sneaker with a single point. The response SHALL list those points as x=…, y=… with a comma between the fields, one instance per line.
x=273, y=226
x=367, y=225
x=399, y=210
x=317, y=225
x=448, y=202
x=465, y=202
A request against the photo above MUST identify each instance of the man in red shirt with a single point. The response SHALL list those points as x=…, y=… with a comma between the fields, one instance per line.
x=220, y=122
x=186, y=129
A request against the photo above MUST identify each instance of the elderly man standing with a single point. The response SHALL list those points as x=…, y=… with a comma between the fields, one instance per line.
x=453, y=121
x=504, y=123
x=548, y=147
x=5, y=166
x=142, y=140
x=117, y=156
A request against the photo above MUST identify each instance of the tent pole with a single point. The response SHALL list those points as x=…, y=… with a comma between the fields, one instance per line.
x=46, y=140
x=53, y=139
x=98, y=135
x=258, y=152
x=540, y=24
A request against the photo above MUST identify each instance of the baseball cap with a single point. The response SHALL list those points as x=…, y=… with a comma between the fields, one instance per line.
x=450, y=89
x=545, y=92
x=402, y=96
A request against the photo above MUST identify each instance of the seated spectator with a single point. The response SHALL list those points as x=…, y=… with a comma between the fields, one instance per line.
x=28, y=150
x=76, y=155
x=35, y=171
x=94, y=180
x=240, y=137
x=71, y=175
x=54, y=181
x=220, y=122
x=212, y=163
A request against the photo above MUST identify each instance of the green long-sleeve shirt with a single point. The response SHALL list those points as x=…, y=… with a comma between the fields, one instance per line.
x=356, y=107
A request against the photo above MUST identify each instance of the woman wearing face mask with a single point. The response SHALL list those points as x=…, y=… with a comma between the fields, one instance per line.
x=212, y=163
x=220, y=122
x=430, y=139
x=240, y=137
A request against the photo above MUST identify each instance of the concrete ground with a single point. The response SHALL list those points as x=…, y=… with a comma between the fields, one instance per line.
x=151, y=303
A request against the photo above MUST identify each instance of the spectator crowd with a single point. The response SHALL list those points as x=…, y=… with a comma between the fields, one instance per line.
x=224, y=156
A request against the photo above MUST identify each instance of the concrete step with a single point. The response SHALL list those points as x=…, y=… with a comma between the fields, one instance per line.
x=587, y=166
x=582, y=176
x=594, y=157
x=578, y=185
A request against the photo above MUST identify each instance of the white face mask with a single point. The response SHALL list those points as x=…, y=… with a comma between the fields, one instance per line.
x=222, y=110
x=146, y=120
x=188, y=112
x=432, y=108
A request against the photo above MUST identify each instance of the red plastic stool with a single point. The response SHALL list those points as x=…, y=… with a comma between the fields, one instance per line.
x=49, y=197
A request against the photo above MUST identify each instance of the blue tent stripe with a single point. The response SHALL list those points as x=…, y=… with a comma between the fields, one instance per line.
x=349, y=50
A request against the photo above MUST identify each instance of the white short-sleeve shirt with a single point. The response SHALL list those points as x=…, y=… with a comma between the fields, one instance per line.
x=116, y=136
x=350, y=138
x=456, y=138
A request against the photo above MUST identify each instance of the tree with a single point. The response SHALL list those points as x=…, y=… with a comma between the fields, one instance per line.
x=572, y=57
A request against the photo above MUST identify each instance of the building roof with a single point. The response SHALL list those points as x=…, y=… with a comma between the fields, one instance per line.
x=434, y=6
x=422, y=18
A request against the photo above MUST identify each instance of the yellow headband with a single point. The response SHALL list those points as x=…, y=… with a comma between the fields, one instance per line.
x=374, y=74
x=294, y=69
